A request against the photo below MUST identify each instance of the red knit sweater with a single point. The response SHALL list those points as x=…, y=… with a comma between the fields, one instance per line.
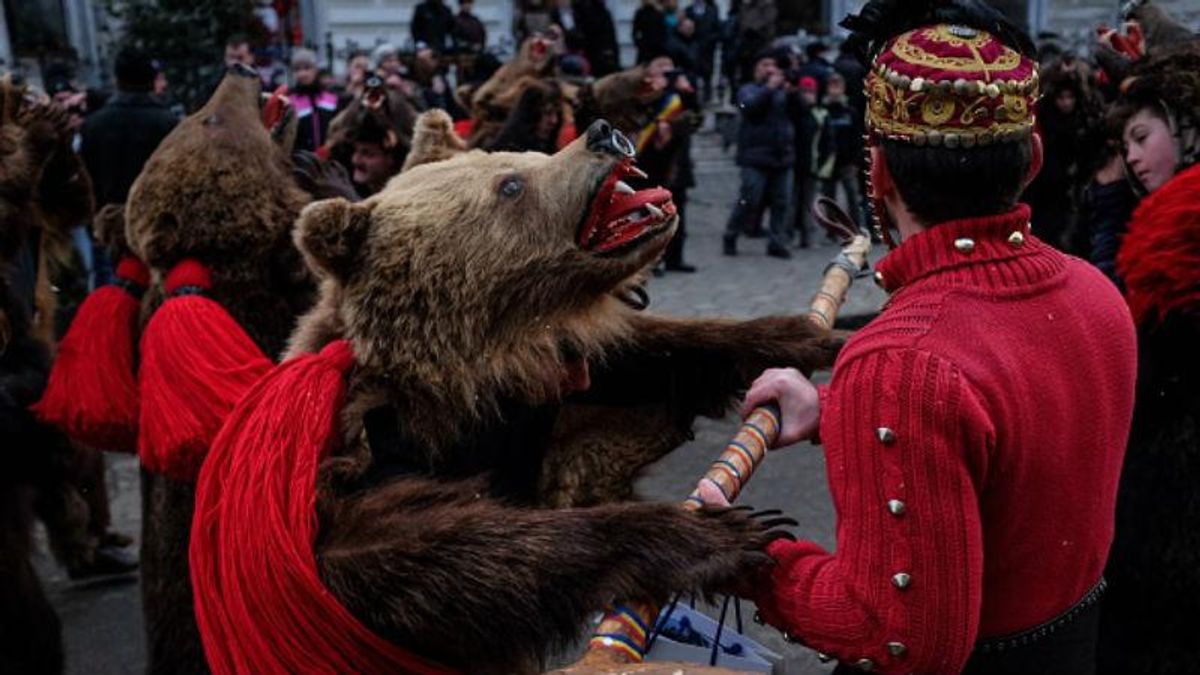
x=973, y=437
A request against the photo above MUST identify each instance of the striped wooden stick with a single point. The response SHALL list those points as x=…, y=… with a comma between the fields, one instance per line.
x=624, y=631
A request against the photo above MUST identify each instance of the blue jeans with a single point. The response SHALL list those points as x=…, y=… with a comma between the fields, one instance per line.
x=760, y=186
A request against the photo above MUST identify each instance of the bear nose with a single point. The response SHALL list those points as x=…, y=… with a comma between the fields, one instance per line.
x=602, y=138
x=243, y=70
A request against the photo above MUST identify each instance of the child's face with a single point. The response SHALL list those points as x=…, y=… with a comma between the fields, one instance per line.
x=835, y=88
x=808, y=96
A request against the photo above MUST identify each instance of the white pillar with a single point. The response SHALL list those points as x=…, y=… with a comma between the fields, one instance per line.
x=81, y=33
x=6, y=57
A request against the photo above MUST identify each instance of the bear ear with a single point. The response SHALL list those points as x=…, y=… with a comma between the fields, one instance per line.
x=433, y=140
x=331, y=233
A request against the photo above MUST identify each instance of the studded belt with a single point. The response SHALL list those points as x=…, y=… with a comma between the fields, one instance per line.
x=1040, y=632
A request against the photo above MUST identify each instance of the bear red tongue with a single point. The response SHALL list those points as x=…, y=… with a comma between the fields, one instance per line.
x=618, y=218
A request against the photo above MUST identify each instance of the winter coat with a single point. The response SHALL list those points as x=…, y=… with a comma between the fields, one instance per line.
x=117, y=140
x=595, y=23
x=814, y=143
x=649, y=32
x=1148, y=624
x=433, y=23
x=705, y=16
x=846, y=132
x=315, y=109
x=1105, y=210
x=766, y=136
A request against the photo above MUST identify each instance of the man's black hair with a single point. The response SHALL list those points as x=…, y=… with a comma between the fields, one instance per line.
x=237, y=39
x=941, y=184
x=134, y=70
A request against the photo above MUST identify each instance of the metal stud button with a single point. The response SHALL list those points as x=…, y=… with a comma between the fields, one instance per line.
x=901, y=580
x=823, y=657
x=896, y=648
x=964, y=245
x=865, y=664
x=1017, y=239
x=879, y=279
x=885, y=435
x=896, y=507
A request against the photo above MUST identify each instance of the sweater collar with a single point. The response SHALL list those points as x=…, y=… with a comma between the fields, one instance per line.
x=978, y=249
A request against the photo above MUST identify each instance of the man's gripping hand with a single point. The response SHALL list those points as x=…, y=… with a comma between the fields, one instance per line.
x=799, y=404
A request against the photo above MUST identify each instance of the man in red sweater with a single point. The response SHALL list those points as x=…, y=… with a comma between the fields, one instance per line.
x=974, y=431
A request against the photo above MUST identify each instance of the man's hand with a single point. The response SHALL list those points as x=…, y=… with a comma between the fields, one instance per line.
x=799, y=404
x=775, y=80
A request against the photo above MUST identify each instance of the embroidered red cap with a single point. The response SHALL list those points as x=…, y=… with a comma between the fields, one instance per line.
x=951, y=86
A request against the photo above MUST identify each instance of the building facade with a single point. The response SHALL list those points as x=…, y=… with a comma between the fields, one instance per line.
x=36, y=32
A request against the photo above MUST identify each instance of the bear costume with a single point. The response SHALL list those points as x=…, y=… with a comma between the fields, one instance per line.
x=378, y=502
x=211, y=215
x=44, y=190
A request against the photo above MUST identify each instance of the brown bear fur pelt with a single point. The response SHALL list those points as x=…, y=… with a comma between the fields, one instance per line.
x=43, y=191
x=625, y=99
x=218, y=189
x=490, y=102
x=466, y=299
x=378, y=112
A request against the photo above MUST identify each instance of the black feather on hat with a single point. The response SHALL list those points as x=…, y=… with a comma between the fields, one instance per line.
x=881, y=20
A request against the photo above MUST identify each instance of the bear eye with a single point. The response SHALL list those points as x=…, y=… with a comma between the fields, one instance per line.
x=512, y=186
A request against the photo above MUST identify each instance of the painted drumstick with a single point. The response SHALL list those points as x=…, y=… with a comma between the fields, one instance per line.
x=624, y=631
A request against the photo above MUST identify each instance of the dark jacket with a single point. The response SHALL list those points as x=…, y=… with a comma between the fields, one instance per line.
x=469, y=33
x=1148, y=623
x=315, y=108
x=706, y=17
x=846, y=131
x=814, y=143
x=433, y=23
x=595, y=23
x=766, y=137
x=685, y=52
x=649, y=32
x=117, y=140
x=1104, y=215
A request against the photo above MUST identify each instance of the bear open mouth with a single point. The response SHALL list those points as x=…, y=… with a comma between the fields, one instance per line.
x=621, y=217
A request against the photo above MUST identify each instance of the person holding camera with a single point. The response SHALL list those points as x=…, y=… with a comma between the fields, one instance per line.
x=766, y=152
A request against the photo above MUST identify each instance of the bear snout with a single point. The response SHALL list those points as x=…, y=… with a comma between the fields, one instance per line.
x=602, y=138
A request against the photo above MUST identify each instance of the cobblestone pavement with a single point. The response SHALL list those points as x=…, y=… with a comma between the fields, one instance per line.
x=102, y=625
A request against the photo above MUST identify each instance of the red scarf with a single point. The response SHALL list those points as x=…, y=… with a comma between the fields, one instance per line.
x=260, y=603
x=1159, y=258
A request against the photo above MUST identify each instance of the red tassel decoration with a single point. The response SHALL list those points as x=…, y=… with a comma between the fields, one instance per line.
x=196, y=363
x=260, y=604
x=92, y=395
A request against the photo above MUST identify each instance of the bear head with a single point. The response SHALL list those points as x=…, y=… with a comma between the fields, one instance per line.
x=219, y=186
x=484, y=275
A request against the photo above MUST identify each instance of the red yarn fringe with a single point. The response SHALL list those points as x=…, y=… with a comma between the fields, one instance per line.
x=1160, y=255
x=196, y=363
x=260, y=604
x=92, y=395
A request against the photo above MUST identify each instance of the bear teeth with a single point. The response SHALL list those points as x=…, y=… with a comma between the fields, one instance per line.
x=654, y=211
x=623, y=188
x=634, y=171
